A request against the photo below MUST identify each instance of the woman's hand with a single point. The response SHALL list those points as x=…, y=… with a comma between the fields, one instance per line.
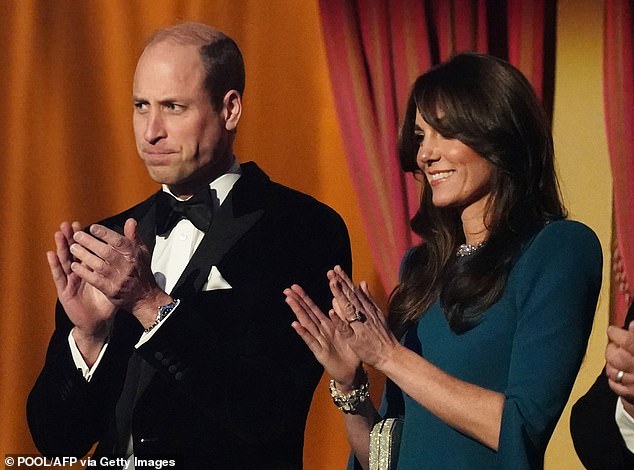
x=322, y=335
x=365, y=329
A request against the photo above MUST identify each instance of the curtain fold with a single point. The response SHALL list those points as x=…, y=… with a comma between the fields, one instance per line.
x=66, y=70
x=375, y=51
x=618, y=83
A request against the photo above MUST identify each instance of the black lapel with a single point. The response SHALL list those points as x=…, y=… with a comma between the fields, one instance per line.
x=146, y=225
x=239, y=212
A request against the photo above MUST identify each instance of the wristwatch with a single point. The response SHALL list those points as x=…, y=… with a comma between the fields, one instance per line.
x=162, y=312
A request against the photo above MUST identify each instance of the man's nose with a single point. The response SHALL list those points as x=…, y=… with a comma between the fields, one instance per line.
x=155, y=128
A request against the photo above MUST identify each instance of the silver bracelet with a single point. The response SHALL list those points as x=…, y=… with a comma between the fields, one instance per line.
x=350, y=402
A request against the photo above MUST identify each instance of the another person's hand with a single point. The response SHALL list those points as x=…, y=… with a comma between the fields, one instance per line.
x=619, y=356
x=366, y=331
x=120, y=267
x=87, y=307
x=322, y=335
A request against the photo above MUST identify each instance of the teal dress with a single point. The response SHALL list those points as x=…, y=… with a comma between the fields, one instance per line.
x=529, y=346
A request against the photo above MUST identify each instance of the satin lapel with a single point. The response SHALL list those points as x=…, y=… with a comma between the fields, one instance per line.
x=145, y=215
x=147, y=226
x=225, y=231
x=239, y=212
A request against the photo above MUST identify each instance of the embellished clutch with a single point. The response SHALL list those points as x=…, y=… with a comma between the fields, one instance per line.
x=385, y=440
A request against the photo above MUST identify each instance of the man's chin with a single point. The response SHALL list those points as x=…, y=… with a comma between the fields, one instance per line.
x=162, y=175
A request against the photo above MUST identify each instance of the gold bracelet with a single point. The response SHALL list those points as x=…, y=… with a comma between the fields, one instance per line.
x=350, y=402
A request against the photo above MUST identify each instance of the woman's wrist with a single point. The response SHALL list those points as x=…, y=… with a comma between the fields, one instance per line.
x=350, y=399
x=352, y=382
x=390, y=359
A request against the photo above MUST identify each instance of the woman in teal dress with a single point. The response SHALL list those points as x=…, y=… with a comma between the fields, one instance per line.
x=488, y=326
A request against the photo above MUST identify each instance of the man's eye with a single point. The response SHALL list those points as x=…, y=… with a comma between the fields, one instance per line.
x=139, y=105
x=173, y=107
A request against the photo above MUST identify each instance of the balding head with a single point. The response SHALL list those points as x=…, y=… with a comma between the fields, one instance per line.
x=220, y=56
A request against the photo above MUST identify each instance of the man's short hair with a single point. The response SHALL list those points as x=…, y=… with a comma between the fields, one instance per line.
x=220, y=55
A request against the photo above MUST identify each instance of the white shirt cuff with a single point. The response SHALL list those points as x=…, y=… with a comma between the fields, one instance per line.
x=80, y=363
x=625, y=423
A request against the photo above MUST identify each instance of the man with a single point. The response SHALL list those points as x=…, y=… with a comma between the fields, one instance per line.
x=172, y=337
x=602, y=421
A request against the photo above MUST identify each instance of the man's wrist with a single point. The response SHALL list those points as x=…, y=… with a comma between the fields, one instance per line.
x=628, y=407
x=162, y=312
x=145, y=310
x=90, y=344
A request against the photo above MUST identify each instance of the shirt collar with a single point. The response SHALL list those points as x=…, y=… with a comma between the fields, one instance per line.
x=223, y=184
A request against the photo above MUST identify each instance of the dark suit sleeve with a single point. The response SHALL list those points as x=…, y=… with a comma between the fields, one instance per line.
x=66, y=414
x=595, y=434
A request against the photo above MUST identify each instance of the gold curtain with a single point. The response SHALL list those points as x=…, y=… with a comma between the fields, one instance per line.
x=68, y=153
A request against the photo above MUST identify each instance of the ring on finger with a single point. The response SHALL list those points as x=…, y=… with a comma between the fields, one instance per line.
x=358, y=316
x=619, y=377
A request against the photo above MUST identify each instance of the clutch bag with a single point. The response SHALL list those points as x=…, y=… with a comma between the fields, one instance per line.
x=385, y=440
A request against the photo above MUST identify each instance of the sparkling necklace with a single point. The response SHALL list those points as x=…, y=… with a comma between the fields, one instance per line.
x=467, y=249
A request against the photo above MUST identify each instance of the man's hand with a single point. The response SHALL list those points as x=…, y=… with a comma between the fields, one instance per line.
x=619, y=356
x=119, y=267
x=87, y=308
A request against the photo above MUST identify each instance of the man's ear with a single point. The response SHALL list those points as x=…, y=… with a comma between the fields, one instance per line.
x=232, y=109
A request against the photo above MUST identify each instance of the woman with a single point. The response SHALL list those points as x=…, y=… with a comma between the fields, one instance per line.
x=489, y=323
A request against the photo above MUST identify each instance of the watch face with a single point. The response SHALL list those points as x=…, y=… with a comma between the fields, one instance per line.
x=165, y=309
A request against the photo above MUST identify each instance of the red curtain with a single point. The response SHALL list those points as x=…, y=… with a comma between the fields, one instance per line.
x=376, y=49
x=618, y=83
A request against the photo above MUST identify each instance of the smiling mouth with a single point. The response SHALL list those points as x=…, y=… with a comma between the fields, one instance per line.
x=441, y=175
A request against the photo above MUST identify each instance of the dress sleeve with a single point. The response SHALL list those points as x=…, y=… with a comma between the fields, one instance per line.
x=555, y=284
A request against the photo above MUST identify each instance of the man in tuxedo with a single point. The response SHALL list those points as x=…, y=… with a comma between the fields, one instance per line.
x=602, y=421
x=172, y=338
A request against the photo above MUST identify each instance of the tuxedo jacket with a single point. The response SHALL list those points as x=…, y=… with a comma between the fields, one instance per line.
x=595, y=435
x=225, y=383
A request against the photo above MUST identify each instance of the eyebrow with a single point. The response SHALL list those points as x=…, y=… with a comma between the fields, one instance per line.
x=163, y=102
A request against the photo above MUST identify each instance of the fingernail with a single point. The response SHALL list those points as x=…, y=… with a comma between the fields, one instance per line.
x=96, y=230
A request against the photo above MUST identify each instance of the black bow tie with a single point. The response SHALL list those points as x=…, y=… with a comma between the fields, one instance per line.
x=198, y=210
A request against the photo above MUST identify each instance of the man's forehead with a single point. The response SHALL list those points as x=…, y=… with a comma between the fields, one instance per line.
x=169, y=48
x=170, y=68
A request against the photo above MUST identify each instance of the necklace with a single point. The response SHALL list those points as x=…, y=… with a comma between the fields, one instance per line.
x=467, y=249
